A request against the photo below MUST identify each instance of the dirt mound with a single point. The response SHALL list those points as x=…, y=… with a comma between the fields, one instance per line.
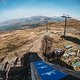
x=47, y=43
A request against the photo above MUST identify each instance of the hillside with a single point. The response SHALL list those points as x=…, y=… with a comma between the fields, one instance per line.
x=72, y=23
x=35, y=21
x=24, y=23
x=16, y=43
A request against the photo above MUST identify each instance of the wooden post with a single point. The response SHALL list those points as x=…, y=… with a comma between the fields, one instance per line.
x=46, y=21
x=65, y=17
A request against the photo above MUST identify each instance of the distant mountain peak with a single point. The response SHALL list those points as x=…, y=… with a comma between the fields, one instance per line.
x=24, y=22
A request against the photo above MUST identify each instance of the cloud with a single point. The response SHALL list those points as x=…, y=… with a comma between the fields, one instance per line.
x=24, y=12
x=27, y=12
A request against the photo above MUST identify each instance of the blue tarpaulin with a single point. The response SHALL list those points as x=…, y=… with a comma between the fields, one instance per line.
x=47, y=72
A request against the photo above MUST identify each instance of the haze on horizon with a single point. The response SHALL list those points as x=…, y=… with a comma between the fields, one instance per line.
x=11, y=9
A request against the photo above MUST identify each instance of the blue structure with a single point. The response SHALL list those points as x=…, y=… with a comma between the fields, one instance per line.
x=47, y=72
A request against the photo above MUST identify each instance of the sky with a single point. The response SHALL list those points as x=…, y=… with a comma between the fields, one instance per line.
x=11, y=9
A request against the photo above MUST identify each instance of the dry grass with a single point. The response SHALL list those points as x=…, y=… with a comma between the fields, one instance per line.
x=19, y=42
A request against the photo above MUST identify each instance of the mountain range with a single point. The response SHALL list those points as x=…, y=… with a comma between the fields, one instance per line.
x=30, y=22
